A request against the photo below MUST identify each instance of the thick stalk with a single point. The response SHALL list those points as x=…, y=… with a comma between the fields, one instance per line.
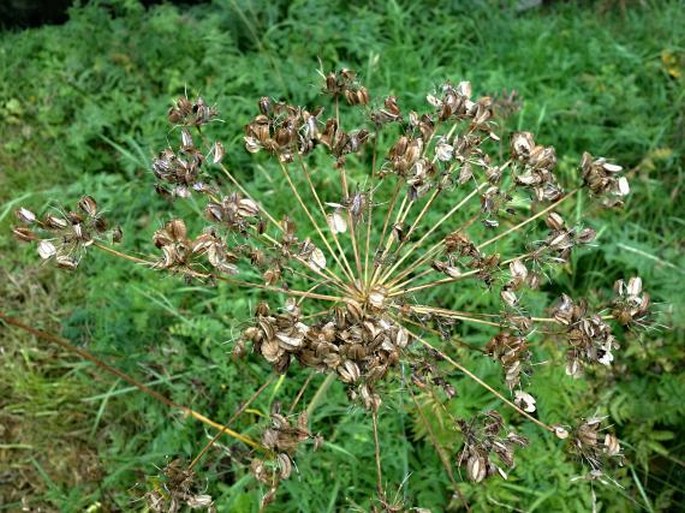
x=65, y=344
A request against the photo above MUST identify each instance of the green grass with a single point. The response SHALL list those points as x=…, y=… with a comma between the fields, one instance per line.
x=81, y=119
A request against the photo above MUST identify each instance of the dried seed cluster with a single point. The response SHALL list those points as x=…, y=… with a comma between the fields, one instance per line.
x=512, y=353
x=179, y=253
x=593, y=446
x=177, y=489
x=282, y=438
x=360, y=347
x=65, y=236
x=485, y=451
x=589, y=337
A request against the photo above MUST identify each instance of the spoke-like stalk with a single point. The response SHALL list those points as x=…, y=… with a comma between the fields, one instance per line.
x=238, y=412
x=401, y=292
x=247, y=284
x=398, y=290
x=392, y=287
x=454, y=339
x=411, y=231
x=350, y=219
x=119, y=254
x=300, y=394
x=400, y=219
x=367, y=245
x=311, y=218
x=450, y=314
x=347, y=269
x=235, y=182
x=388, y=213
x=482, y=383
x=65, y=344
x=389, y=240
x=527, y=221
x=312, y=289
x=444, y=218
x=432, y=252
x=273, y=221
x=322, y=273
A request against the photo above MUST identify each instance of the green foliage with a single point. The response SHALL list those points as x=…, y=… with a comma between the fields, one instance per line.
x=81, y=118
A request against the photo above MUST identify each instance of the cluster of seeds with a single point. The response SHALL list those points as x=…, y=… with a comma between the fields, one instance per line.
x=359, y=347
x=589, y=337
x=176, y=489
x=602, y=178
x=179, y=253
x=485, y=451
x=64, y=236
x=593, y=446
x=512, y=353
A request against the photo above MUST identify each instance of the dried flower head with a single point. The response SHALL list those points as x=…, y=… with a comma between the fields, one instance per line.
x=370, y=266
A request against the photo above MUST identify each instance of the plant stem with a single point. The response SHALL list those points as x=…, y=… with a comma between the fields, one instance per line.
x=65, y=344
x=433, y=228
x=238, y=412
x=321, y=391
x=377, y=451
x=308, y=177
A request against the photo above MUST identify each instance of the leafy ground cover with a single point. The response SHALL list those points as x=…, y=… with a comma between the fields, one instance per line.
x=89, y=118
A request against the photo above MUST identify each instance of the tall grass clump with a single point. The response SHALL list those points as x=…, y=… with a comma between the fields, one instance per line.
x=399, y=251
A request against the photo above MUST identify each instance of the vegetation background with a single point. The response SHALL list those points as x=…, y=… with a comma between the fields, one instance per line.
x=82, y=110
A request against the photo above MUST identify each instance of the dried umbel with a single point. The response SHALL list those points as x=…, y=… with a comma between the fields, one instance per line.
x=594, y=445
x=448, y=202
x=64, y=236
x=176, y=489
x=485, y=450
